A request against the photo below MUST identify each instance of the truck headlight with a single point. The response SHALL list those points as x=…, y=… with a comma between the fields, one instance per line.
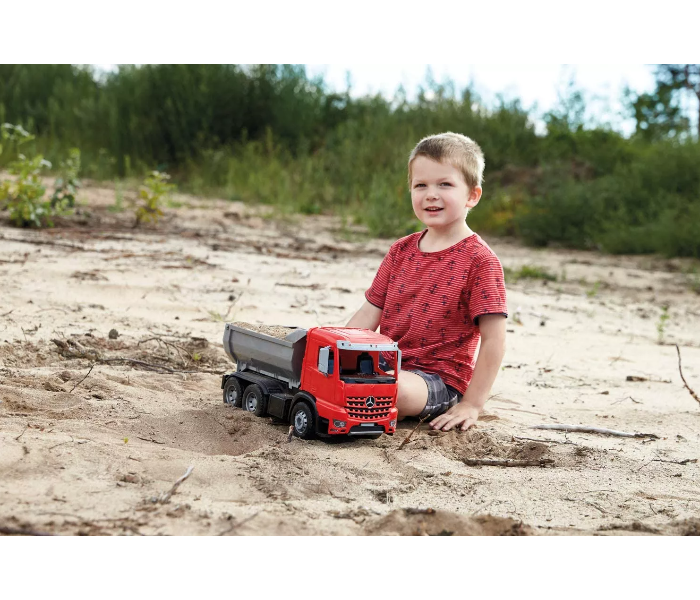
x=392, y=423
x=339, y=424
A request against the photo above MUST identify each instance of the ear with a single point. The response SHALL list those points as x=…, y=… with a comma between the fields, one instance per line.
x=474, y=196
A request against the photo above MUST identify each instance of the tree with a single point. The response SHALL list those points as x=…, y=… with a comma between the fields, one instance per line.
x=681, y=78
x=658, y=113
x=569, y=114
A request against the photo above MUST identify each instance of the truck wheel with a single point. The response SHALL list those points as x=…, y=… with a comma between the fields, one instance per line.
x=254, y=400
x=302, y=419
x=233, y=392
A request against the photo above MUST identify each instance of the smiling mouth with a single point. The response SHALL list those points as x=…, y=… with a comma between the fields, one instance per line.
x=433, y=209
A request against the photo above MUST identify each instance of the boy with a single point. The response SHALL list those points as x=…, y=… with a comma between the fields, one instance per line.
x=437, y=292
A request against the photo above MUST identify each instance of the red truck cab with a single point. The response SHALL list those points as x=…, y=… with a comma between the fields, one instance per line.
x=342, y=370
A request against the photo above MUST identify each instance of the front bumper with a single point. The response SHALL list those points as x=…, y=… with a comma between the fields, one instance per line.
x=353, y=426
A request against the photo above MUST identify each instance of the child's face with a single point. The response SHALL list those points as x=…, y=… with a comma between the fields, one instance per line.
x=441, y=198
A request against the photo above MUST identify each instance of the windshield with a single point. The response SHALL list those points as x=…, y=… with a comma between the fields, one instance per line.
x=362, y=366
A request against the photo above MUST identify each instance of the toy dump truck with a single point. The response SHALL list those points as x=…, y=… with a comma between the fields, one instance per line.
x=325, y=381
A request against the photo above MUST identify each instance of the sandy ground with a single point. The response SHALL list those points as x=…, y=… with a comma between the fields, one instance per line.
x=96, y=454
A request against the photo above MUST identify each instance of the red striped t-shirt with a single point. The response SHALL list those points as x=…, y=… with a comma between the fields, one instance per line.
x=431, y=303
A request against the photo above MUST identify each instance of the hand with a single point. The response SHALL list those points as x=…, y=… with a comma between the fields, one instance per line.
x=460, y=414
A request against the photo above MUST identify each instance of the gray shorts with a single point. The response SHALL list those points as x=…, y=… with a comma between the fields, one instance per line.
x=441, y=397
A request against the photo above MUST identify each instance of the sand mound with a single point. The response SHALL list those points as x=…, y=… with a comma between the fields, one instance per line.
x=440, y=522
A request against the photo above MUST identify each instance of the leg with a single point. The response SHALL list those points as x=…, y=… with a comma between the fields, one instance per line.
x=423, y=394
x=412, y=396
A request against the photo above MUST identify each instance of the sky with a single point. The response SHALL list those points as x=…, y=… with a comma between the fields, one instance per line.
x=537, y=86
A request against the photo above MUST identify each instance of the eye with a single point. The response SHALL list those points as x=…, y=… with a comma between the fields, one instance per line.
x=419, y=185
x=447, y=183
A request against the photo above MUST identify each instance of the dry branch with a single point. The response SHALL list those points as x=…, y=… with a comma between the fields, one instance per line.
x=165, y=498
x=685, y=461
x=92, y=366
x=599, y=430
x=692, y=393
x=167, y=344
x=493, y=462
x=310, y=286
x=46, y=243
x=81, y=352
x=650, y=379
x=545, y=441
x=20, y=531
x=236, y=525
x=408, y=437
x=150, y=440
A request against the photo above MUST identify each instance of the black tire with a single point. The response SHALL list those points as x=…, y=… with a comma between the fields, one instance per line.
x=255, y=400
x=303, y=421
x=233, y=392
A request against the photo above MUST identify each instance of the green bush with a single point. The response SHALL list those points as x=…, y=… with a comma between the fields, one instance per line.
x=67, y=184
x=24, y=194
x=270, y=134
x=153, y=194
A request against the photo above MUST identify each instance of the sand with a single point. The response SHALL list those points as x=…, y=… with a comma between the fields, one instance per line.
x=95, y=429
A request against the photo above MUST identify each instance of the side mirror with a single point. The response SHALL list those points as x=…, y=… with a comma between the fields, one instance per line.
x=323, y=355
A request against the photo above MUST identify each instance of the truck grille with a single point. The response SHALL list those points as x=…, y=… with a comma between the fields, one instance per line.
x=357, y=409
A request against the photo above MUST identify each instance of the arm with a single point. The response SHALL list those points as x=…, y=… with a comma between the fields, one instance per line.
x=366, y=318
x=491, y=352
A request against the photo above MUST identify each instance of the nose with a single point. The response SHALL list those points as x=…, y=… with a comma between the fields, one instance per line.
x=432, y=194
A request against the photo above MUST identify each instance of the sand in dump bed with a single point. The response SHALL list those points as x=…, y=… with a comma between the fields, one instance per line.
x=277, y=331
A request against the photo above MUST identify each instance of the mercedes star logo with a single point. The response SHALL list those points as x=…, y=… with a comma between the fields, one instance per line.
x=369, y=403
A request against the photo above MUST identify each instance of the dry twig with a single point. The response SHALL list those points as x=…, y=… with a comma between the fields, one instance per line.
x=491, y=462
x=46, y=243
x=692, y=393
x=81, y=352
x=290, y=433
x=651, y=379
x=408, y=437
x=21, y=531
x=165, y=498
x=238, y=524
x=311, y=286
x=419, y=511
x=685, y=461
x=517, y=437
x=599, y=430
x=150, y=440
x=167, y=344
x=92, y=366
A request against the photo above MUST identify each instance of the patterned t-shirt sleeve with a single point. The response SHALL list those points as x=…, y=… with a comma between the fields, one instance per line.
x=376, y=294
x=486, y=292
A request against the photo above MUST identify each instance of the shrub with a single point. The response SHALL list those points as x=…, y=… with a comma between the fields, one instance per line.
x=153, y=193
x=67, y=184
x=24, y=195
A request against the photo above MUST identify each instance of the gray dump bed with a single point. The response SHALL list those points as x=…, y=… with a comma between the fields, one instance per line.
x=253, y=351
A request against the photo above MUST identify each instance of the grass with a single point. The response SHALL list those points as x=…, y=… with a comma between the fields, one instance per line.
x=592, y=292
x=692, y=278
x=661, y=323
x=694, y=283
x=528, y=272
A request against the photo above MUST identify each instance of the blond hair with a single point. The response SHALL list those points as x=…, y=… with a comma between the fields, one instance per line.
x=463, y=153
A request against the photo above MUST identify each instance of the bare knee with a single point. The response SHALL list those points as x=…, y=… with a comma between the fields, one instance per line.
x=412, y=394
